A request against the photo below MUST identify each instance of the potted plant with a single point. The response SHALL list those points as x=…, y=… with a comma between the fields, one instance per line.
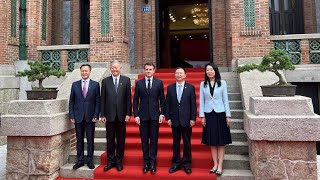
x=39, y=71
x=274, y=61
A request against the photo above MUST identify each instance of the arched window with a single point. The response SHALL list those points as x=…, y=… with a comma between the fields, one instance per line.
x=286, y=17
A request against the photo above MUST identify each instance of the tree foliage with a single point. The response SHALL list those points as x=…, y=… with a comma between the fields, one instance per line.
x=274, y=61
x=39, y=71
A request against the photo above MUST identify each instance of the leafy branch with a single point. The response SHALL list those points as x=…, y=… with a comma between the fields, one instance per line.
x=274, y=61
x=39, y=71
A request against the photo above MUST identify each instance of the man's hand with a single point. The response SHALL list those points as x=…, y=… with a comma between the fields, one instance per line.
x=72, y=120
x=161, y=119
x=192, y=123
x=203, y=121
x=127, y=118
x=169, y=122
x=104, y=119
x=94, y=120
x=137, y=120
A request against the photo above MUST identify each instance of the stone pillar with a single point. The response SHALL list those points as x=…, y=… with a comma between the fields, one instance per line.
x=282, y=133
x=38, y=138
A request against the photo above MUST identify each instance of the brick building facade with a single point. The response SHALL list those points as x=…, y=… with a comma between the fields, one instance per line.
x=240, y=28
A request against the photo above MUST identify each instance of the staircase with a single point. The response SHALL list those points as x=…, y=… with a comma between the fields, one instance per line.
x=236, y=164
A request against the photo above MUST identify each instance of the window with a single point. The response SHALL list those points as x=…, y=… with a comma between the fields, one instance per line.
x=286, y=17
x=105, y=27
x=13, y=18
x=249, y=17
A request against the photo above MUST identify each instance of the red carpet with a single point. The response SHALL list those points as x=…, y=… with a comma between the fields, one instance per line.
x=201, y=156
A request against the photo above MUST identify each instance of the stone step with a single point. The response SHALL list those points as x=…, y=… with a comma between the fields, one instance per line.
x=66, y=171
x=165, y=130
x=199, y=160
x=237, y=147
x=236, y=174
x=235, y=124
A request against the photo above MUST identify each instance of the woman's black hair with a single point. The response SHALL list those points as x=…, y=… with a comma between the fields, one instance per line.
x=217, y=75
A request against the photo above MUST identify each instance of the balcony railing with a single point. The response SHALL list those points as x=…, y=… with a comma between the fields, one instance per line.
x=64, y=56
x=302, y=48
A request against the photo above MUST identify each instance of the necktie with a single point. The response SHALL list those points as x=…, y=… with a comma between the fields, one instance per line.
x=116, y=84
x=149, y=85
x=84, y=89
x=179, y=92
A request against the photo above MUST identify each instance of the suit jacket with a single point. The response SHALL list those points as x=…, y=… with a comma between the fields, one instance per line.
x=116, y=103
x=218, y=102
x=180, y=113
x=81, y=107
x=146, y=103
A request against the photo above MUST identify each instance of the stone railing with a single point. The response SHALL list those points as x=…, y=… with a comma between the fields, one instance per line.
x=282, y=134
x=64, y=56
x=39, y=138
x=302, y=48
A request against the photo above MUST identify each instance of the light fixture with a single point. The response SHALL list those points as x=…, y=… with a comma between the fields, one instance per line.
x=184, y=18
x=200, y=12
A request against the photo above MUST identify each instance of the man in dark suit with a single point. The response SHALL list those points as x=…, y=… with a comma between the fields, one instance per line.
x=116, y=110
x=148, y=115
x=84, y=110
x=181, y=110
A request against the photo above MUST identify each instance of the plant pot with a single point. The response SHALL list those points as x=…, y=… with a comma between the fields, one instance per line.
x=275, y=91
x=42, y=94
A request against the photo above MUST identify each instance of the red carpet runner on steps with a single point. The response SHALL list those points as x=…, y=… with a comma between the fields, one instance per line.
x=201, y=157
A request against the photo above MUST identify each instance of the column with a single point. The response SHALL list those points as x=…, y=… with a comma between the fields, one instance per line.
x=282, y=133
x=38, y=138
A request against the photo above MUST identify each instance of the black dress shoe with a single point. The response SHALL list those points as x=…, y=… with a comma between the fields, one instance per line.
x=153, y=169
x=187, y=170
x=119, y=166
x=174, y=169
x=90, y=165
x=145, y=168
x=78, y=165
x=109, y=166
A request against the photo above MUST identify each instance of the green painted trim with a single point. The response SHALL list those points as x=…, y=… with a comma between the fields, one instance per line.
x=44, y=20
x=105, y=17
x=22, y=31
x=13, y=18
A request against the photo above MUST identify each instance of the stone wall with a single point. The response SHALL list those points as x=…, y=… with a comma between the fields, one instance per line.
x=283, y=160
x=37, y=157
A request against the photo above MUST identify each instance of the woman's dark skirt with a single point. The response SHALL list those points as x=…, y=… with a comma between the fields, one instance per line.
x=216, y=132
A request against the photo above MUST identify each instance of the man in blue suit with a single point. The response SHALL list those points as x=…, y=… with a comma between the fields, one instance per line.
x=181, y=111
x=84, y=110
x=148, y=107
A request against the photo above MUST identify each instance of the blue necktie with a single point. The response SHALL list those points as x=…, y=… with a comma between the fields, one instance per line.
x=179, y=92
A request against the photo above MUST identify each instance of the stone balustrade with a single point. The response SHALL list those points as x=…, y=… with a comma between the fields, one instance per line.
x=282, y=134
x=64, y=56
x=39, y=138
x=302, y=48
